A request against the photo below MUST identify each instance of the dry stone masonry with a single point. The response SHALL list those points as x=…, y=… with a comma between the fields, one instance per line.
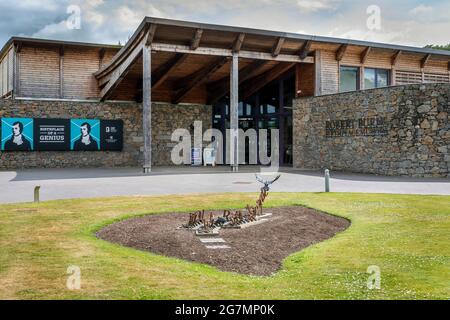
x=165, y=119
x=402, y=130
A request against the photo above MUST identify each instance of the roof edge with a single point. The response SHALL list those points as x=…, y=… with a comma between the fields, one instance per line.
x=226, y=28
x=16, y=39
x=292, y=35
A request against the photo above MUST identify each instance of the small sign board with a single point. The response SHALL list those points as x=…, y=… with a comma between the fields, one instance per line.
x=209, y=156
x=196, y=157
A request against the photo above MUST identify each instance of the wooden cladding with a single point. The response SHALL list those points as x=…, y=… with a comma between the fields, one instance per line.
x=39, y=72
x=406, y=77
x=7, y=73
x=433, y=78
x=304, y=80
x=78, y=67
x=53, y=71
x=49, y=72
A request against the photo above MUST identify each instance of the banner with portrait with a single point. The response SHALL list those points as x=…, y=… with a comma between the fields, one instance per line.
x=27, y=134
x=84, y=135
x=17, y=134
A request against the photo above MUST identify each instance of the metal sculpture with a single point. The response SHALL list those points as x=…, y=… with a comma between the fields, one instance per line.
x=267, y=183
x=231, y=219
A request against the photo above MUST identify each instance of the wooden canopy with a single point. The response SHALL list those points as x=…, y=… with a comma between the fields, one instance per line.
x=191, y=62
x=178, y=61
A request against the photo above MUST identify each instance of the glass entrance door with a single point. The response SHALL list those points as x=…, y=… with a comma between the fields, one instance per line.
x=269, y=108
x=268, y=123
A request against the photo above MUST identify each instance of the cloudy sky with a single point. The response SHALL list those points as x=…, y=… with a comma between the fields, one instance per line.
x=409, y=22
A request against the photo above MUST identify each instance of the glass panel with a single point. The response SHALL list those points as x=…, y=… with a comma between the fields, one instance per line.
x=348, y=79
x=287, y=152
x=241, y=109
x=261, y=124
x=217, y=109
x=269, y=123
x=272, y=123
x=271, y=109
x=269, y=97
x=382, y=78
x=369, y=78
x=288, y=93
x=249, y=109
x=245, y=124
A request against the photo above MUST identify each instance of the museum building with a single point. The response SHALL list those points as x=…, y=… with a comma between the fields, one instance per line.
x=341, y=104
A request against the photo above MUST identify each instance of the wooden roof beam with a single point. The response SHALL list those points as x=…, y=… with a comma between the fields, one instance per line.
x=395, y=58
x=237, y=45
x=304, y=51
x=151, y=34
x=120, y=72
x=262, y=80
x=341, y=52
x=221, y=88
x=18, y=47
x=195, y=42
x=198, y=78
x=101, y=53
x=365, y=55
x=164, y=47
x=163, y=72
x=425, y=60
x=123, y=54
x=277, y=47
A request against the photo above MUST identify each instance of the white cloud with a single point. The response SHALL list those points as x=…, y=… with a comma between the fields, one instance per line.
x=93, y=3
x=315, y=5
x=125, y=17
x=421, y=9
x=51, y=30
x=369, y=35
x=44, y=5
x=115, y=20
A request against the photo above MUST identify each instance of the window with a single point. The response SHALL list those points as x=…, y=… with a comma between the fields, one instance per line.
x=245, y=109
x=269, y=98
x=349, y=79
x=375, y=78
x=288, y=94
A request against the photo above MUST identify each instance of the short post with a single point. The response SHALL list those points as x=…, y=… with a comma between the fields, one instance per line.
x=36, y=194
x=327, y=180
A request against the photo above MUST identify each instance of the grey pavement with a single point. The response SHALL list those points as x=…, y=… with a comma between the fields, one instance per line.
x=17, y=186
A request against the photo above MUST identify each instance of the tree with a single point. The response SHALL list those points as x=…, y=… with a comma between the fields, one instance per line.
x=439, y=47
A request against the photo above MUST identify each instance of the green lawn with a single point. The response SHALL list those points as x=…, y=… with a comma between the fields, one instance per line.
x=408, y=237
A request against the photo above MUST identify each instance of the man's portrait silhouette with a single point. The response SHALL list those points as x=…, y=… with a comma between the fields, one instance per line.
x=86, y=142
x=17, y=142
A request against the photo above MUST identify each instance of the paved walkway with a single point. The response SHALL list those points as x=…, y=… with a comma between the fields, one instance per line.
x=17, y=186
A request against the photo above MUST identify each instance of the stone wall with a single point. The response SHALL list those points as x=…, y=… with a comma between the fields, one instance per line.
x=165, y=119
x=403, y=130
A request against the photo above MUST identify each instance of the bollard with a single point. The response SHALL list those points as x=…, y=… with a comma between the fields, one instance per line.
x=327, y=180
x=36, y=194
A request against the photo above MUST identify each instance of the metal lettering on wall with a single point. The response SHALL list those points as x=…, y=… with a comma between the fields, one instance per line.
x=28, y=134
x=376, y=126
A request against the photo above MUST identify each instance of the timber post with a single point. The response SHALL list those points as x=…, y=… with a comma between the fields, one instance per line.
x=234, y=113
x=147, y=107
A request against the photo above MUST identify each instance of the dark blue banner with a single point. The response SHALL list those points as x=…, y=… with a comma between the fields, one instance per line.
x=27, y=134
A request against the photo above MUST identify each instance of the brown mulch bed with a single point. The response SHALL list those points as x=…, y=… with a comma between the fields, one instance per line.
x=257, y=250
